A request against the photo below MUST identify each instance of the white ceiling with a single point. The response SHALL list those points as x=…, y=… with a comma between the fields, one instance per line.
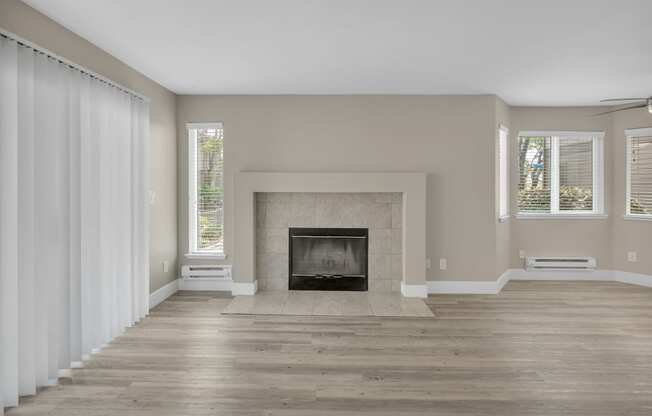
x=529, y=52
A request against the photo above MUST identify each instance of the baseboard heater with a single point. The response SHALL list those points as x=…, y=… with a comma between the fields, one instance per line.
x=560, y=263
x=205, y=271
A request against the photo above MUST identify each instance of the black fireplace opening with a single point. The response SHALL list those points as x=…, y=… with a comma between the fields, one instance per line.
x=328, y=258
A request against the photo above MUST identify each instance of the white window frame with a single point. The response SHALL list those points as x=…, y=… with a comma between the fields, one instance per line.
x=193, y=253
x=598, y=176
x=503, y=173
x=629, y=135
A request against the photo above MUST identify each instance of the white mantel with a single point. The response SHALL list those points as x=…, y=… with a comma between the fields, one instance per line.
x=411, y=185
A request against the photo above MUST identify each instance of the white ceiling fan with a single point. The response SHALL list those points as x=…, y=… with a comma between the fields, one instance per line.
x=639, y=103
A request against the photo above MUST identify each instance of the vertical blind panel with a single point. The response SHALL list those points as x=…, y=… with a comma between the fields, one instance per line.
x=534, y=174
x=209, y=186
x=74, y=205
x=9, y=149
x=641, y=176
x=576, y=174
x=26, y=241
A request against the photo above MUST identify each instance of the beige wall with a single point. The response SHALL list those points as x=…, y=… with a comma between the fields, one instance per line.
x=628, y=235
x=552, y=237
x=431, y=134
x=29, y=24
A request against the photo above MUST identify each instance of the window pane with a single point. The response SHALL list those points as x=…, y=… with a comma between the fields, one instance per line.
x=210, y=192
x=534, y=181
x=576, y=174
x=641, y=176
x=503, y=192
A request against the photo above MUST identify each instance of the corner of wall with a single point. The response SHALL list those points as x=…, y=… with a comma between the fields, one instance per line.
x=503, y=240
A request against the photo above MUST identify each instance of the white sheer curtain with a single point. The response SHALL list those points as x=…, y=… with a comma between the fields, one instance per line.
x=74, y=268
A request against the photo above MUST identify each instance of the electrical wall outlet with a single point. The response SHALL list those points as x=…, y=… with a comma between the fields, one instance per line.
x=521, y=254
x=166, y=266
x=428, y=264
x=632, y=256
x=443, y=264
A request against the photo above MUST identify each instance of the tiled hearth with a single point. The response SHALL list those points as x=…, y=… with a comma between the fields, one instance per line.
x=380, y=212
x=321, y=303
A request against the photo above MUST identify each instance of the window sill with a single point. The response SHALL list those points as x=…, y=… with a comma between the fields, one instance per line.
x=522, y=216
x=504, y=218
x=207, y=256
x=637, y=217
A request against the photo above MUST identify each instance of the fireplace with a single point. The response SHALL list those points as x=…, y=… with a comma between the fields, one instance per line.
x=328, y=259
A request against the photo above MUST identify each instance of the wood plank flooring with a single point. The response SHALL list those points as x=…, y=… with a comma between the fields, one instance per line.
x=537, y=348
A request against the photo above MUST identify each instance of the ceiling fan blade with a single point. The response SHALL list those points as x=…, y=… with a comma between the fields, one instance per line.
x=622, y=109
x=622, y=99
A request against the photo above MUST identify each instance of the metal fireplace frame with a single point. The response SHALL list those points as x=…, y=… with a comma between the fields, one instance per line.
x=329, y=282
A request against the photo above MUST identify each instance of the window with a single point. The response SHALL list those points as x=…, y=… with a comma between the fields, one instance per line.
x=560, y=174
x=503, y=173
x=639, y=173
x=206, y=189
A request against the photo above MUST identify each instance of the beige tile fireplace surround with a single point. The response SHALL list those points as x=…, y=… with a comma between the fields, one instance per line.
x=391, y=205
x=380, y=212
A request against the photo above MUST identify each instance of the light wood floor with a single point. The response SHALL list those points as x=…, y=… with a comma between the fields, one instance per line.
x=538, y=348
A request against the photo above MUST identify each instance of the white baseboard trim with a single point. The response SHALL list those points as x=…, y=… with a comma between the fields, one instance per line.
x=503, y=280
x=470, y=287
x=414, y=291
x=464, y=287
x=493, y=287
x=633, y=278
x=244, y=288
x=595, y=275
x=162, y=293
x=205, y=284
x=64, y=372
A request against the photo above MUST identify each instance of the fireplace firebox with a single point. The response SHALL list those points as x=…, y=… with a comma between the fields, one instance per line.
x=328, y=259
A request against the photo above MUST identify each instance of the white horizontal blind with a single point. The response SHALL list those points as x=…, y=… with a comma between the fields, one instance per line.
x=576, y=174
x=534, y=174
x=640, y=173
x=206, y=188
x=560, y=173
x=503, y=173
